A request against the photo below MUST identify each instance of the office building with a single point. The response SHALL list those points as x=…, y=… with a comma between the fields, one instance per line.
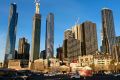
x=67, y=34
x=43, y=54
x=11, y=34
x=36, y=34
x=65, y=51
x=89, y=44
x=59, y=53
x=108, y=30
x=71, y=45
x=73, y=49
x=80, y=40
x=116, y=49
x=23, y=49
x=16, y=54
x=77, y=31
x=49, y=44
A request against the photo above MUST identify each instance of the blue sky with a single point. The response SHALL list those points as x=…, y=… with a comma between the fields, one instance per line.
x=66, y=14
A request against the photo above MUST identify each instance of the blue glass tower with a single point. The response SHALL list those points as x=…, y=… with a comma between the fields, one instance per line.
x=11, y=36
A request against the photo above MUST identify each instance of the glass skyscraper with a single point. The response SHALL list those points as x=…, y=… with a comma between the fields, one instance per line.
x=49, y=44
x=108, y=30
x=11, y=36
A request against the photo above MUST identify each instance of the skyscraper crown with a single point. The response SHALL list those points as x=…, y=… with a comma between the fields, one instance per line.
x=105, y=8
x=37, y=2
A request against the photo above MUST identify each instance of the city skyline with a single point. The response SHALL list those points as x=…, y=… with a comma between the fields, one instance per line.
x=67, y=23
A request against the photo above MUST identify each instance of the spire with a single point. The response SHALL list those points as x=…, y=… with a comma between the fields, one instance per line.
x=37, y=2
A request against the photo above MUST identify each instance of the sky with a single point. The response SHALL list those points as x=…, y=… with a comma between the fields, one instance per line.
x=66, y=13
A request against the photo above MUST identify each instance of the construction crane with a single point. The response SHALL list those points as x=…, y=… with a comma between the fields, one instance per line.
x=76, y=23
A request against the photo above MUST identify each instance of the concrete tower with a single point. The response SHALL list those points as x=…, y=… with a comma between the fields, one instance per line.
x=36, y=33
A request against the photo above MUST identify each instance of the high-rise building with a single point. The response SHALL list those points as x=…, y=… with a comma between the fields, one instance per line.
x=88, y=40
x=43, y=54
x=67, y=34
x=73, y=49
x=116, y=52
x=77, y=32
x=11, y=35
x=116, y=49
x=65, y=51
x=16, y=54
x=49, y=44
x=80, y=40
x=59, y=53
x=23, y=49
x=108, y=30
x=36, y=34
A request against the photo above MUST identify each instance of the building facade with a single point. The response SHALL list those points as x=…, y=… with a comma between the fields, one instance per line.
x=108, y=30
x=23, y=49
x=43, y=54
x=65, y=51
x=16, y=54
x=116, y=49
x=86, y=60
x=11, y=35
x=88, y=39
x=59, y=53
x=98, y=62
x=80, y=40
x=49, y=44
x=36, y=34
x=73, y=48
x=67, y=34
x=77, y=31
x=103, y=62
